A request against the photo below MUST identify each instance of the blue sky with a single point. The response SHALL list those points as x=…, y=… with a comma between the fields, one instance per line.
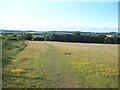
x=48, y=16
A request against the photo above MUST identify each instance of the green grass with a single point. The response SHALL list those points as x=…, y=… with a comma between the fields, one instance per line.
x=10, y=49
x=66, y=65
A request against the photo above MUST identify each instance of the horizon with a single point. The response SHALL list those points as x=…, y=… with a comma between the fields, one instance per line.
x=56, y=31
x=60, y=16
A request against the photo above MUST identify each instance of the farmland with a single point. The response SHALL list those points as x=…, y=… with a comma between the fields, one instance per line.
x=63, y=65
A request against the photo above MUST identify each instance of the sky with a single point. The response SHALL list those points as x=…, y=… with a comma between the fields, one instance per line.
x=59, y=16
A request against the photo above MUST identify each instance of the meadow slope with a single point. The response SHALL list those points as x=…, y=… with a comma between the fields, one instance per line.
x=66, y=65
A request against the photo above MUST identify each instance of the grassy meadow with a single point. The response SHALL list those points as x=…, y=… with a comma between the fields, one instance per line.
x=63, y=65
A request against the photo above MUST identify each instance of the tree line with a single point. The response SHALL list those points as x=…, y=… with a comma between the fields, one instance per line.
x=75, y=37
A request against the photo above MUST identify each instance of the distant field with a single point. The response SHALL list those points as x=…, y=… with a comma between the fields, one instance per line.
x=66, y=65
x=37, y=36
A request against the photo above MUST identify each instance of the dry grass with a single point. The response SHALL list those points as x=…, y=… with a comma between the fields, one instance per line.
x=59, y=64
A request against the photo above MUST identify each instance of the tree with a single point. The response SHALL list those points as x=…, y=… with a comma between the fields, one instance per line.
x=118, y=40
x=101, y=38
x=107, y=40
x=46, y=38
x=14, y=35
x=77, y=37
x=38, y=39
x=26, y=36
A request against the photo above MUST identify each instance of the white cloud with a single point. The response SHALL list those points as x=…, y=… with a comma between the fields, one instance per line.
x=44, y=24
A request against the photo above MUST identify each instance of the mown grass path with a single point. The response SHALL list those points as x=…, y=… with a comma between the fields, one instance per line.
x=57, y=70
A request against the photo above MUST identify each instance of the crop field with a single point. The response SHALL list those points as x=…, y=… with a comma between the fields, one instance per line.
x=63, y=65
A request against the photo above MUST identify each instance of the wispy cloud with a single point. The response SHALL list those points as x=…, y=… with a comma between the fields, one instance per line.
x=61, y=26
x=58, y=16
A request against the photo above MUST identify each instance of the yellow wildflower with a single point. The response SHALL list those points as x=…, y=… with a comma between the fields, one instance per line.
x=18, y=71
